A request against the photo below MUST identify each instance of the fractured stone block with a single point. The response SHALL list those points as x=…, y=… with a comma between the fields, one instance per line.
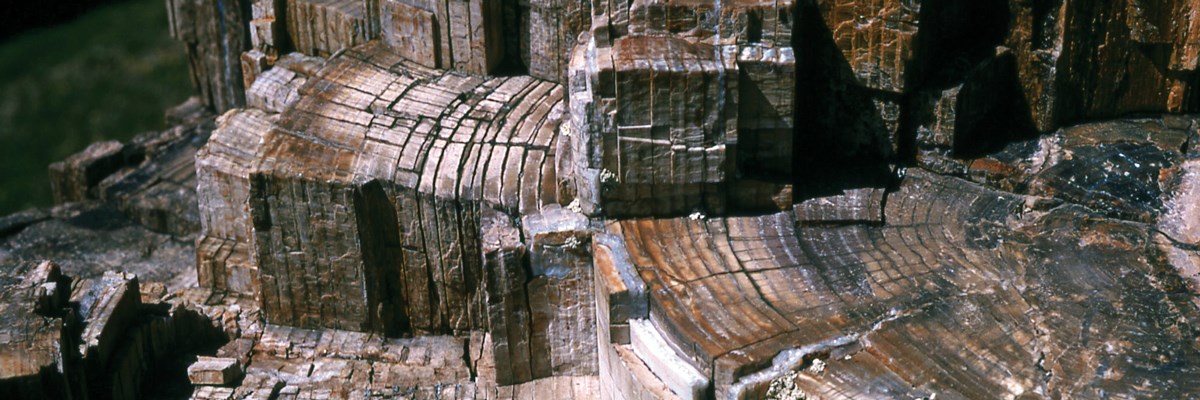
x=214, y=371
x=465, y=35
x=324, y=27
x=668, y=138
x=561, y=293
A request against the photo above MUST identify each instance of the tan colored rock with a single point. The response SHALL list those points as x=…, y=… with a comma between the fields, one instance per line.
x=213, y=371
x=436, y=147
x=322, y=27
x=561, y=292
x=554, y=27
x=508, y=298
x=461, y=35
x=76, y=178
x=223, y=173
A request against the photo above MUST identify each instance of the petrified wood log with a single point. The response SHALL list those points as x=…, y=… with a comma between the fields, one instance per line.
x=278, y=88
x=507, y=299
x=33, y=302
x=942, y=235
x=683, y=154
x=223, y=173
x=151, y=179
x=554, y=26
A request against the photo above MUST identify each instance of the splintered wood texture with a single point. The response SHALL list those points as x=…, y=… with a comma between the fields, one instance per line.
x=151, y=179
x=766, y=108
x=30, y=295
x=462, y=35
x=541, y=308
x=959, y=294
x=768, y=22
x=554, y=26
x=1113, y=58
x=666, y=142
x=159, y=192
x=278, y=88
x=561, y=292
x=1124, y=169
x=268, y=27
x=223, y=169
x=507, y=297
x=275, y=90
x=412, y=31
x=323, y=27
x=659, y=131
x=376, y=177
x=875, y=37
x=216, y=34
x=443, y=134
x=223, y=166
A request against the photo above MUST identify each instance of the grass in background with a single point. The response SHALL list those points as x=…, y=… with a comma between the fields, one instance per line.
x=109, y=74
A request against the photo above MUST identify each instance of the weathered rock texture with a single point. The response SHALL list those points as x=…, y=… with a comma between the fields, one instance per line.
x=647, y=199
x=1080, y=60
x=215, y=33
x=682, y=106
x=90, y=338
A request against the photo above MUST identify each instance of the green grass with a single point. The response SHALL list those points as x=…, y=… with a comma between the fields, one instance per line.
x=107, y=75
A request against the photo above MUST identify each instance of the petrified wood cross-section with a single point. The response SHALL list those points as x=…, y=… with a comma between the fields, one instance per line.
x=961, y=294
x=364, y=196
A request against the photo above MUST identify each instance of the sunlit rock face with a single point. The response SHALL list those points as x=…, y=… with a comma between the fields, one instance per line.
x=634, y=200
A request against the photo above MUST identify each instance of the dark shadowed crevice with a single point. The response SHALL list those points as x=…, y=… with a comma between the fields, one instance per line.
x=993, y=112
x=1044, y=18
x=838, y=122
x=382, y=259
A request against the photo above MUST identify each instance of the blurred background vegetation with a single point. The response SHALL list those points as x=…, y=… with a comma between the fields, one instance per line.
x=108, y=72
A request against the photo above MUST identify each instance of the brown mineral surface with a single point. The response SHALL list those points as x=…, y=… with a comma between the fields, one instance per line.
x=646, y=199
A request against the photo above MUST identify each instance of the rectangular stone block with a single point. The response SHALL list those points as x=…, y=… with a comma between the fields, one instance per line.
x=412, y=32
x=214, y=371
x=508, y=303
x=554, y=26
x=656, y=146
x=324, y=27
x=766, y=108
x=465, y=35
x=561, y=293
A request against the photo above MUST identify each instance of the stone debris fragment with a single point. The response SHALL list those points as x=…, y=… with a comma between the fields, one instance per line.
x=213, y=371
